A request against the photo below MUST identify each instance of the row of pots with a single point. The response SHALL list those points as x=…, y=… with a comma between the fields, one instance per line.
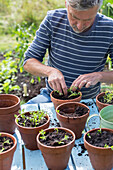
x=69, y=120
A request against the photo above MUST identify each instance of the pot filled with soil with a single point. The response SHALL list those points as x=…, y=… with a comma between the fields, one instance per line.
x=29, y=124
x=73, y=115
x=104, y=99
x=56, y=145
x=8, y=145
x=99, y=144
x=59, y=98
x=9, y=106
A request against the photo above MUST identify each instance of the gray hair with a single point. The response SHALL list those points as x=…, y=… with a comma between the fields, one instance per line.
x=82, y=5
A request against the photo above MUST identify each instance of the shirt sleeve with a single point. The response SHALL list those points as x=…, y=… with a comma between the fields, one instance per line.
x=41, y=42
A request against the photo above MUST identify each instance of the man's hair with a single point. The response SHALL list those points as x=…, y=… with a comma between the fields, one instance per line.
x=82, y=5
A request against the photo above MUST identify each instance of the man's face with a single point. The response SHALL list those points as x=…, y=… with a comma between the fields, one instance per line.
x=81, y=21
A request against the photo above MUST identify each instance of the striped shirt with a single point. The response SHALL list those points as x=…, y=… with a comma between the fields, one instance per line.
x=73, y=53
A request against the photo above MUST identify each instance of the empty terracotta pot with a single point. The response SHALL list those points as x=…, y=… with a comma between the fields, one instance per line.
x=56, y=158
x=9, y=106
x=6, y=157
x=101, y=158
x=76, y=124
x=99, y=104
x=57, y=102
x=29, y=134
x=9, y=103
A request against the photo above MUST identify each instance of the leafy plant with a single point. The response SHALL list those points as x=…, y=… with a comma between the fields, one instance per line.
x=8, y=71
x=108, y=97
x=3, y=142
x=42, y=132
x=33, y=119
x=107, y=146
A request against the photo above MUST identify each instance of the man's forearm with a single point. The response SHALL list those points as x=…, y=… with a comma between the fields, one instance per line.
x=36, y=68
x=106, y=77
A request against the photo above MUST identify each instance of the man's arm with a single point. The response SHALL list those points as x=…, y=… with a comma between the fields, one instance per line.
x=55, y=77
x=93, y=78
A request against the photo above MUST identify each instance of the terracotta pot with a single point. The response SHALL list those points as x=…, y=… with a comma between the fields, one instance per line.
x=6, y=157
x=99, y=104
x=76, y=124
x=9, y=106
x=7, y=123
x=57, y=102
x=56, y=158
x=29, y=134
x=101, y=158
x=9, y=103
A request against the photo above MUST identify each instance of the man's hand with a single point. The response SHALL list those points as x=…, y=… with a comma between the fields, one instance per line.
x=56, y=81
x=87, y=80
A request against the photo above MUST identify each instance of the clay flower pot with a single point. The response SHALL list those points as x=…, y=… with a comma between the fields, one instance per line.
x=29, y=134
x=56, y=157
x=101, y=157
x=76, y=124
x=57, y=102
x=6, y=157
x=9, y=106
x=99, y=104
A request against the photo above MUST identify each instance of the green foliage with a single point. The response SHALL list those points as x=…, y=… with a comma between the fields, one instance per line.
x=107, y=8
x=42, y=132
x=35, y=117
x=8, y=70
x=108, y=97
x=24, y=35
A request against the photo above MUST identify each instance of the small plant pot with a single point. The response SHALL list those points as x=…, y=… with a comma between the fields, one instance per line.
x=6, y=157
x=57, y=102
x=9, y=106
x=99, y=104
x=76, y=124
x=101, y=158
x=56, y=157
x=29, y=134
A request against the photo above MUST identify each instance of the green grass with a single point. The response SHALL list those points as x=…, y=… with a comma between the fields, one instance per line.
x=7, y=42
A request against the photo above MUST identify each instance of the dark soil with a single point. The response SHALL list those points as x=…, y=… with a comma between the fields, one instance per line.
x=5, y=143
x=61, y=96
x=100, y=139
x=79, y=111
x=29, y=121
x=56, y=138
x=103, y=100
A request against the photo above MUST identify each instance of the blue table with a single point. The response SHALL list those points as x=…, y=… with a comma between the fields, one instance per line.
x=33, y=160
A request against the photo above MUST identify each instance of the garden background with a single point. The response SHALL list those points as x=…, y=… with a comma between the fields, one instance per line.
x=19, y=20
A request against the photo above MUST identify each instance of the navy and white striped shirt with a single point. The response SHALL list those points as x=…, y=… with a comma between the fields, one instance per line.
x=73, y=53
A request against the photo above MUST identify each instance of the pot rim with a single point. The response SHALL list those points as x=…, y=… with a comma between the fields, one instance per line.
x=101, y=94
x=95, y=147
x=10, y=107
x=76, y=103
x=57, y=147
x=67, y=99
x=31, y=128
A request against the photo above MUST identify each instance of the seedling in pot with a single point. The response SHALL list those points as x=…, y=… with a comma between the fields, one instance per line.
x=42, y=132
x=108, y=97
x=5, y=143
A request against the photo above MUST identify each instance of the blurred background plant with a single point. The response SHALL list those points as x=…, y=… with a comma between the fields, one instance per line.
x=19, y=20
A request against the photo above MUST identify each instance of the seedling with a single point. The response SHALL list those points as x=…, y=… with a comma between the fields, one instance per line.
x=42, y=132
x=3, y=141
x=107, y=146
x=108, y=97
x=61, y=141
x=99, y=131
x=35, y=117
x=56, y=129
x=88, y=135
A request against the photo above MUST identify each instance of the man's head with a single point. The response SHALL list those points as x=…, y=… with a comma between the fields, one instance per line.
x=82, y=13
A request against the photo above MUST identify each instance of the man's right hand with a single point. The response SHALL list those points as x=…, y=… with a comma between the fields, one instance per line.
x=56, y=81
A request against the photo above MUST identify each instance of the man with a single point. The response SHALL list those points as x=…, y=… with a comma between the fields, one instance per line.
x=78, y=40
